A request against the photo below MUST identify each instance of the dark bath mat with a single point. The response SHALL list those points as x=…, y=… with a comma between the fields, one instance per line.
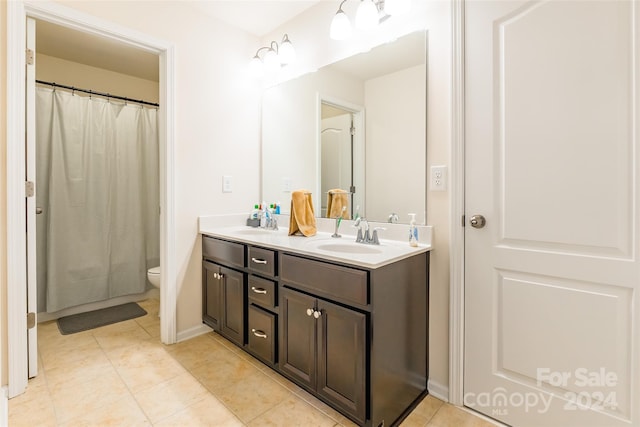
x=94, y=319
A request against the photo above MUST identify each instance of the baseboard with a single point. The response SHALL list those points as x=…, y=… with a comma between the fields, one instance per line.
x=438, y=390
x=193, y=332
x=4, y=407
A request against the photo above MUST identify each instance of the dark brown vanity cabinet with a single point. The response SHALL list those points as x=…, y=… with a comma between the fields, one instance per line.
x=354, y=337
x=323, y=347
x=223, y=293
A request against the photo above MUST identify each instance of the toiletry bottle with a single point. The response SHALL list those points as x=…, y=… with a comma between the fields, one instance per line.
x=263, y=215
x=255, y=213
x=413, y=231
x=277, y=208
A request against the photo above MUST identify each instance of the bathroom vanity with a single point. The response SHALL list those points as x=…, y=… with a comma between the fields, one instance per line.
x=345, y=321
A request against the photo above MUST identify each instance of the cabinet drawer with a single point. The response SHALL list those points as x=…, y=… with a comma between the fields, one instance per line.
x=227, y=253
x=324, y=279
x=262, y=328
x=262, y=261
x=262, y=292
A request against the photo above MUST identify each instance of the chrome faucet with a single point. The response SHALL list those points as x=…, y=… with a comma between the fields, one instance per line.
x=363, y=232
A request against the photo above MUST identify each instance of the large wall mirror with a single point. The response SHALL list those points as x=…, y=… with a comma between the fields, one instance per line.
x=358, y=125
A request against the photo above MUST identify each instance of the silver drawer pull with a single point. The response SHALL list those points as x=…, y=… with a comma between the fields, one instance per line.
x=258, y=290
x=259, y=261
x=258, y=333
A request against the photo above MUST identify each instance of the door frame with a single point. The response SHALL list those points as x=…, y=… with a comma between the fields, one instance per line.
x=457, y=207
x=17, y=12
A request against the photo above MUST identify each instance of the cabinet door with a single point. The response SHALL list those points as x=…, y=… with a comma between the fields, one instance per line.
x=342, y=358
x=211, y=295
x=233, y=305
x=297, y=337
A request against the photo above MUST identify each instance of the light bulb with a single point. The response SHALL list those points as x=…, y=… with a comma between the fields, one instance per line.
x=256, y=67
x=397, y=7
x=340, y=26
x=271, y=61
x=286, y=53
x=367, y=15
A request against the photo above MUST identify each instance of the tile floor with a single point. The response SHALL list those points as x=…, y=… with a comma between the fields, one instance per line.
x=121, y=375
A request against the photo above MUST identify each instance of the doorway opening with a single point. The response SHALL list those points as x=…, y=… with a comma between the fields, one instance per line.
x=17, y=14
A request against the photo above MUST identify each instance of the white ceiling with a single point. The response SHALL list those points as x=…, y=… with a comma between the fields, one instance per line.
x=257, y=17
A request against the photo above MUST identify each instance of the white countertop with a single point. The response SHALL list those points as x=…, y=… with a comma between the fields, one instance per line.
x=322, y=245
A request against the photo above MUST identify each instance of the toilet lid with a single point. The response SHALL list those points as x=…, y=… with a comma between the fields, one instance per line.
x=154, y=270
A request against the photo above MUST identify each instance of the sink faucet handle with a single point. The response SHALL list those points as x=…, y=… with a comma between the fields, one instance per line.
x=374, y=237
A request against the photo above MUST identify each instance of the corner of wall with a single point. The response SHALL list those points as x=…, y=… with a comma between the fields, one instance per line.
x=3, y=208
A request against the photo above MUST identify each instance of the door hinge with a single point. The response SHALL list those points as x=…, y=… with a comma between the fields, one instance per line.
x=30, y=57
x=31, y=320
x=352, y=130
x=29, y=189
x=352, y=189
x=464, y=220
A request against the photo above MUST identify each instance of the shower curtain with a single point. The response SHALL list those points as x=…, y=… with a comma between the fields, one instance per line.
x=97, y=182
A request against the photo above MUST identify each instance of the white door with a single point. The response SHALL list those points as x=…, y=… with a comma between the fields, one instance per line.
x=32, y=296
x=336, y=155
x=552, y=281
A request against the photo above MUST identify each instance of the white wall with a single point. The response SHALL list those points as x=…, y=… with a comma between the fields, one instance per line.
x=217, y=124
x=396, y=117
x=61, y=71
x=309, y=33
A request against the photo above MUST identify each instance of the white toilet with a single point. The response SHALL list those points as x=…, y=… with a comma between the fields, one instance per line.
x=153, y=274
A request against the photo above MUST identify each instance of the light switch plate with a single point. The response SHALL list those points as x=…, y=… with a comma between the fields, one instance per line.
x=286, y=185
x=438, y=178
x=226, y=184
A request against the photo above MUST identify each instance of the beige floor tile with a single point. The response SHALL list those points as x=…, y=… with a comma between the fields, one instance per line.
x=206, y=412
x=165, y=399
x=450, y=416
x=293, y=412
x=414, y=420
x=152, y=327
x=37, y=388
x=30, y=410
x=225, y=371
x=69, y=355
x=428, y=407
x=114, y=338
x=73, y=399
x=320, y=405
x=144, y=365
x=81, y=370
x=253, y=396
x=282, y=380
x=198, y=351
x=123, y=412
x=60, y=343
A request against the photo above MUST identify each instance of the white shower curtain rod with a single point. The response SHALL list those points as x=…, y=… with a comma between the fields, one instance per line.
x=93, y=92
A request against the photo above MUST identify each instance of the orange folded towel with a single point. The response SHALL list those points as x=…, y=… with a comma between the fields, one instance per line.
x=302, y=219
x=337, y=200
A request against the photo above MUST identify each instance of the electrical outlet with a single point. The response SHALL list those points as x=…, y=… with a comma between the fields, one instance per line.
x=226, y=184
x=438, y=178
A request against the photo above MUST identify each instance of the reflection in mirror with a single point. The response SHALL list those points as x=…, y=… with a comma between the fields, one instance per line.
x=308, y=140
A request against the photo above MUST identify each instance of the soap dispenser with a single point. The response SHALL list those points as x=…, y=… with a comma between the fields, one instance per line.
x=413, y=231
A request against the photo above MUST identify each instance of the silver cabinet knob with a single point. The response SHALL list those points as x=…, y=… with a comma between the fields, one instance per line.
x=477, y=221
x=310, y=311
x=317, y=314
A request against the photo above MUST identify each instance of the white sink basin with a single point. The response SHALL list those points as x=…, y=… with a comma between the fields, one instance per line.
x=350, y=248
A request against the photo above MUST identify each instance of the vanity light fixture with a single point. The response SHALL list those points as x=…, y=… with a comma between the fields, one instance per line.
x=275, y=57
x=367, y=16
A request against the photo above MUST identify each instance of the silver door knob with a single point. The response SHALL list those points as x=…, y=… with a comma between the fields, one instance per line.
x=477, y=221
